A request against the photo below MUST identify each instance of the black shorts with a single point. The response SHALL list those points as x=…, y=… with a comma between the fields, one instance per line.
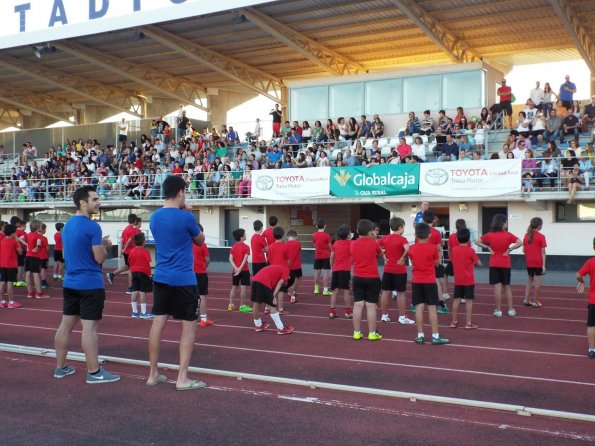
x=203, y=283
x=32, y=264
x=122, y=138
x=141, y=282
x=322, y=263
x=43, y=263
x=87, y=304
x=290, y=282
x=506, y=105
x=591, y=315
x=241, y=279
x=126, y=262
x=532, y=272
x=499, y=275
x=21, y=259
x=448, y=269
x=464, y=292
x=439, y=271
x=366, y=289
x=340, y=280
x=8, y=274
x=262, y=294
x=424, y=293
x=58, y=255
x=295, y=273
x=394, y=282
x=257, y=267
x=180, y=302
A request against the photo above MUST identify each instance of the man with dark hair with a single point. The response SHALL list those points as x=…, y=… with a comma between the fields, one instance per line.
x=84, y=293
x=175, y=292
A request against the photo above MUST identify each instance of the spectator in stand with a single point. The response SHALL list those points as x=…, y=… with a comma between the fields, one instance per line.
x=537, y=96
x=450, y=150
x=567, y=90
x=276, y=114
x=485, y=116
x=505, y=93
x=352, y=129
x=343, y=128
x=403, y=149
x=460, y=118
x=413, y=125
x=285, y=129
x=306, y=132
x=522, y=123
x=589, y=115
x=575, y=181
x=427, y=124
x=377, y=127
x=570, y=126
x=295, y=139
x=553, y=127
x=548, y=170
x=318, y=133
x=418, y=148
x=330, y=130
x=365, y=128
x=548, y=99
x=566, y=165
x=233, y=137
x=245, y=186
x=257, y=134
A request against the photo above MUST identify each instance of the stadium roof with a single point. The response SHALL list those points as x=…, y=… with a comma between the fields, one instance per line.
x=259, y=48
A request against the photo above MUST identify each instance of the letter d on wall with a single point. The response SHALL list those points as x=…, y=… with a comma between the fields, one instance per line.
x=94, y=13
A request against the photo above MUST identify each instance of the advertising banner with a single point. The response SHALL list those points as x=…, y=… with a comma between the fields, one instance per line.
x=471, y=179
x=375, y=181
x=291, y=184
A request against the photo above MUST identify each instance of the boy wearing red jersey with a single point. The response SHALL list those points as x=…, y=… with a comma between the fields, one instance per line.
x=127, y=243
x=534, y=245
x=294, y=256
x=322, y=254
x=10, y=249
x=258, y=245
x=464, y=259
x=33, y=261
x=265, y=289
x=58, y=254
x=341, y=271
x=425, y=258
x=201, y=259
x=44, y=256
x=450, y=244
x=277, y=252
x=139, y=260
x=20, y=226
x=394, y=278
x=588, y=269
x=366, y=280
x=501, y=243
x=238, y=257
x=268, y=232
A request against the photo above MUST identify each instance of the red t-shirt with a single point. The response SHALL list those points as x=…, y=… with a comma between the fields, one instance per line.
x=394, y=247
x=43, y=251
x=9, y=253
x=20, y=233
x=533, y=255
x=321, y=242
x=278, y=254
x=238, y=252
x=453, y=241
x=32, y=238
x=499, y=242
x=268, y=235
x=128, y=233
x=294, y=254
x=258, y=243
x=423, y=257
x=270, y=275
x=58, y=241
x=504, y=93
x=342, y=255
x=588, y=269
x=365, y=252
x=139, y=260
x=463, y=259
x=200, y=253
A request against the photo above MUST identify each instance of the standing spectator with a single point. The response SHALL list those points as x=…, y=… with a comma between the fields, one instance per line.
x=537, y=95
x=122, y=131
x=276, y=114
x=505, y=93
x=548, y=99
x=257, y=130
x=567, y=90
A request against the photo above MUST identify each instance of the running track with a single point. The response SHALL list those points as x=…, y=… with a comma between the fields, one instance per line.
x=536, y=359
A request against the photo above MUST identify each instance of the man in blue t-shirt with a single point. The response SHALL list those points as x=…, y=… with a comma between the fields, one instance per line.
x=174, y=282
x=84, y=292
x=419, y=216
x=567, y=90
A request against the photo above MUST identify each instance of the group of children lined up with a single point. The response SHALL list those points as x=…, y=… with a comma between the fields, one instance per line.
x=24, y=258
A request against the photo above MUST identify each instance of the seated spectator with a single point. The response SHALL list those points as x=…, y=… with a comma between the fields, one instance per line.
x=574, y=181
x=323, y=160
x=287, y=162
x=306, y=132
x=460, y=118
x=480, y=135
x=343, y=128
x=526, y=185
x=427, y=124
x=318, y=133
x=450, y=150
x=377, y=127
x=522, y=123
x=548, y=170
x=566, y=165
x=245, y=187
x=485, y=117
x=418, y=148
x=339, y=161
x=589, y=115
x=352, y=129
x=413, y=125
x=403, y=148
x=330, y=130
x=529, y=164
x=537, y=129
x=295, y=139
x=561, y=109
x=520, y=150
x=374, y=149
x=586, y=167
x=273, y=156
x=570, y=126
x=365, y=128
x=464, y=155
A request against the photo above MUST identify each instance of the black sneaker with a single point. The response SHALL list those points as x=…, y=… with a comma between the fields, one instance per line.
x=110, y=278
x=592, y=354
x=129, y=291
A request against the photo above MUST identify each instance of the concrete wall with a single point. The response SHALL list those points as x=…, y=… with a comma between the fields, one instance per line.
x=224, y=101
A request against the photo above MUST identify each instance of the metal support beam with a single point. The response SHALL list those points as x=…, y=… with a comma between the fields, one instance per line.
x=7, y=116
x=37, y=103
x=457, y=49
x=322, y=56
x=96, y=92
x=253, y=78
x=174, y=87
x=574, y=27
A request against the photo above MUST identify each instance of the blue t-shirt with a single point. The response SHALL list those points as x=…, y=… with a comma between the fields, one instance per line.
x=173, y=230
x=79, y=235
x=564, y=94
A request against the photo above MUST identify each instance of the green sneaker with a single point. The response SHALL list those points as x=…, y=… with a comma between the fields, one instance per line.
x=357, y=335
x=420, y=340
x=374, y=336
x=442, y=310
x=327, y=293
x=316, y=290
x=245, y=309
x=413, y=307
x=439, y=341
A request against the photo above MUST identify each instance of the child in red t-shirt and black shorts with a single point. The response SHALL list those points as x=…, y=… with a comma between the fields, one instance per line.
x=294, y=256
x=139, y=260
x=463, y=259
x=238, y=257
x=58, y=254
x=534, y=245
x=341, y=271
x=588, y=269
x=266, y=285
x=200, y=255
x=322, y=254
x=10, y=249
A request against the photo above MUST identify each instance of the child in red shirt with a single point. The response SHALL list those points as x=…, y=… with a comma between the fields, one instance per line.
x=341, y=271
x=44, y=256
x=139, y=260
x=268, y=233
x=22, y=237
x=238, y=257
x=463, y=259
x=366, y=280
x=322, y=254
x=258, y=244
x=589, y=269
x=58, y=254
x=127, y=243
x=499, y=242
x=534, y=245
x=277, y=252
x=394, y=278
x=201, y=258
x=33, y=261
x=425, y=258
x=294, y=253
x=10, y=249
x=265, y=289
x=450, y=244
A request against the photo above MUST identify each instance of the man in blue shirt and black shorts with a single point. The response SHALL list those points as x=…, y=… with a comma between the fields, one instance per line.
x=175, y=291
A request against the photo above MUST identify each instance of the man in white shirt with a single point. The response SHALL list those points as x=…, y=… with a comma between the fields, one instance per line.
x=537, y=96
x=257, y=130
x=122, y=131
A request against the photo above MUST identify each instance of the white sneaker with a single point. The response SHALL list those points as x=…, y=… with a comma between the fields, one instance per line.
x=497, y=313
x=405, y=320
x=445, y=297
x=511, y=312
x=463, y=301
x=385, y=318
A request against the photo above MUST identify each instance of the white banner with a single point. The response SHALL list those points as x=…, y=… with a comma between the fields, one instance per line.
x=470, y=179
x=26, y=22
x=291, y=184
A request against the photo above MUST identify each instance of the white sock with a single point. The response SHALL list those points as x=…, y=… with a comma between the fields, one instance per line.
x=203, y=317
x=257, y=322
x=2, y=301
x=325, y=289
x=277, y=320
x=143, y=308
x=420, y=335
x=134, y=307
x=11, y=302
x=435, y=335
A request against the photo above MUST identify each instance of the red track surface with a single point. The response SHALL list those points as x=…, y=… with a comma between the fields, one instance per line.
x=536, y=359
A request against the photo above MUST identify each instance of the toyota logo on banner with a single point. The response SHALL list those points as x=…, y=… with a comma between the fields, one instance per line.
x=436, y=177
x=265, y=182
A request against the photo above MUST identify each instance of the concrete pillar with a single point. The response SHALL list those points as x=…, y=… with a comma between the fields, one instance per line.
x=221, y=101
x=92, y=114
x=36, y=121
x=157, y=107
